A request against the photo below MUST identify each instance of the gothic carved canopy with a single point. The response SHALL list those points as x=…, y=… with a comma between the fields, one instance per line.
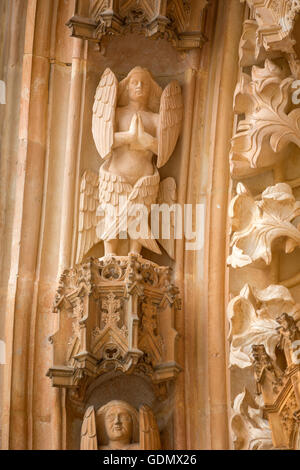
x=179, y=21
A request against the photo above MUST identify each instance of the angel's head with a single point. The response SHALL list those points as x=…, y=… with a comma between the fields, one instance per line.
x=140, y=87
x=119, y=421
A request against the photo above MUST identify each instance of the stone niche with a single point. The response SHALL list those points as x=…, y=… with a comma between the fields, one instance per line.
x=135, y=389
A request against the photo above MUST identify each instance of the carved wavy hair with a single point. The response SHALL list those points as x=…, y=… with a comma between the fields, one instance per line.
x=100, y=420
x=155, y=90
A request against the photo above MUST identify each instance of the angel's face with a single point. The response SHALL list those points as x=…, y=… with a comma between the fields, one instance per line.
x=118, y=424
x=139, y=87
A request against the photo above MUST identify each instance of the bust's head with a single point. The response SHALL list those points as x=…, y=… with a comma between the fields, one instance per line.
x=119, y=423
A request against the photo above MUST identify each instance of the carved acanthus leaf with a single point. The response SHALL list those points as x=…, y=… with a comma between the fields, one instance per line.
x=257, y=224
x=250, y=53
x=268, y=128
x=250, y=430
x=252, y=316
x=276, y=20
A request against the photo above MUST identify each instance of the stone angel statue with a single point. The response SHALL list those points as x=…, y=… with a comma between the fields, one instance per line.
x=119, y=426
x=133, y=121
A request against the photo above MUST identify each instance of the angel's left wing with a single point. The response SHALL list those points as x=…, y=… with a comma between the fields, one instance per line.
x=88, y=431
x=104, y=110
x=149, y=433
x=167, y=194
x=170, y=120
x=89, y=201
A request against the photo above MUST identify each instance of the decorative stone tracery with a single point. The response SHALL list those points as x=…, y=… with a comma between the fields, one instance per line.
x=116, y=313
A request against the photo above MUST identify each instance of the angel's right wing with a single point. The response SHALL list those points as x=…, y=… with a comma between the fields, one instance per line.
x=89, y=201
x=104, y=111
x=88, y=431
x=170, y=121
x=149, y=433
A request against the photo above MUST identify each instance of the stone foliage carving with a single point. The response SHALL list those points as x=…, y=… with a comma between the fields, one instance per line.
x=261, y=329
x=250, y=52
x=279, y=386
x=251, y=430
x=252, y=316
x=99, y=19
x=275, y=20
x=132, y=121
x=263, y=322
x=262, y=138
x=257, y=224
x=115, y=314
x=119, y=426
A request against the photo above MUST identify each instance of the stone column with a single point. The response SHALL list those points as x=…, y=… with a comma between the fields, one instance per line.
x=225, y=57
x=13, y=16
x=26, y=225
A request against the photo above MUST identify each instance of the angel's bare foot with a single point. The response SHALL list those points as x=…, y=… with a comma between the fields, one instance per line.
x=111, y=248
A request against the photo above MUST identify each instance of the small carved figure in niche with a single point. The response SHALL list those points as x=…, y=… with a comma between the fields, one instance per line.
x=119, y=426
x=133, y=121
x=288, y=328
x=265, y=369
x=289, y=338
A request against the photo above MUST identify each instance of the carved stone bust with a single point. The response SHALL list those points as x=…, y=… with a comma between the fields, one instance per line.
x=119, y=426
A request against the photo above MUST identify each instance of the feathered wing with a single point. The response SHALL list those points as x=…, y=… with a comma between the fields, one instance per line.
x=168, y=195
x=170, y=121
x=104, y=111
x=88, y=431
x=89, y=200
x=149, y=433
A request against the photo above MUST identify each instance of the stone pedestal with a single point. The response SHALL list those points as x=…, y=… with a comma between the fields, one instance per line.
x=115, y=314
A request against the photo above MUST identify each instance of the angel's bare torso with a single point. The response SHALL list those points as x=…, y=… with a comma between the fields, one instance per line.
x=132, y=158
